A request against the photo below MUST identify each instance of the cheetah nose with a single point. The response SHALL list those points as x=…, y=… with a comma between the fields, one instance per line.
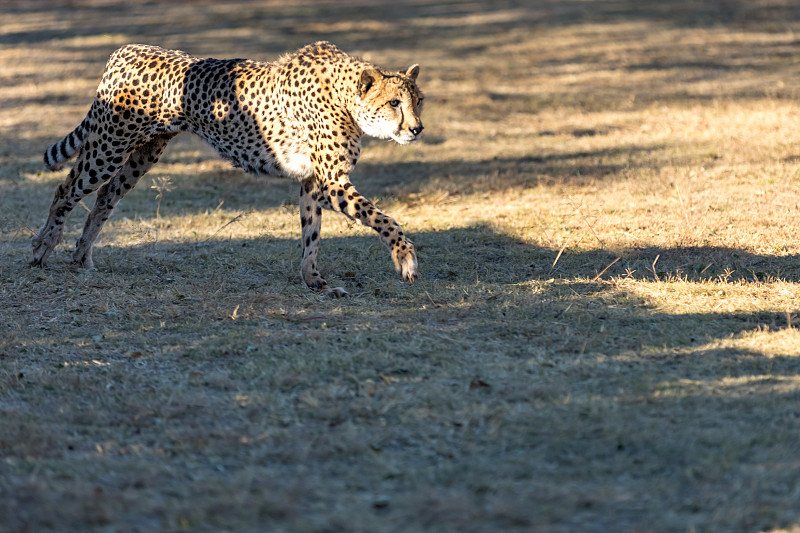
x=417, y=130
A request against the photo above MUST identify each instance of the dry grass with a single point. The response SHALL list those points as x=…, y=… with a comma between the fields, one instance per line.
x=531, y=381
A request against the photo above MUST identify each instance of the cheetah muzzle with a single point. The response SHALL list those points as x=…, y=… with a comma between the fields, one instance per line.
x=301, y=117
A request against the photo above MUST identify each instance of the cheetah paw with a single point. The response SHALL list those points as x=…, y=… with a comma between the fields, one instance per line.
x=41, y=250
x=321, y=286
x=83, y=259
x=405, y=262
x=336, y=292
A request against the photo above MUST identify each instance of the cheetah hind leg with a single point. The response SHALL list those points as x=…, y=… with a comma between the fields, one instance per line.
x=48, y=237
x=140, y=161
x=78, y=184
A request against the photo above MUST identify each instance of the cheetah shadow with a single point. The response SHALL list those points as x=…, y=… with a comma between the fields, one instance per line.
x=459, y=258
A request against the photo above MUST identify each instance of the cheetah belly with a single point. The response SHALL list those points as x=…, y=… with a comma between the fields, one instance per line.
x=294, y=156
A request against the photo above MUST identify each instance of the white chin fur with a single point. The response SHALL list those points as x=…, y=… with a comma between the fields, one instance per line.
x=379, y=133
x=404, y=139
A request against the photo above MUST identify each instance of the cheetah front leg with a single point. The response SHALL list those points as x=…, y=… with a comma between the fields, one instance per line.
x=344, y=198
x=311, y=203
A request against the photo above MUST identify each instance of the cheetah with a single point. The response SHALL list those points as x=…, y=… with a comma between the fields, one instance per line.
x=302, y=117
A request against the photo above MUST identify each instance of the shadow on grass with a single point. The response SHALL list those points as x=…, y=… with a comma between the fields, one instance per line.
x=441, y=20
x=499, y=173
x=432, y=25
x=465, y=259
x=494, y=383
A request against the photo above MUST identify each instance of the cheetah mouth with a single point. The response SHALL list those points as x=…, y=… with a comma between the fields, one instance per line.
x=405, y=138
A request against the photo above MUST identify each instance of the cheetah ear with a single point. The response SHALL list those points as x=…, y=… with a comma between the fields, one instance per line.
x=368, y=77
x=413, y=72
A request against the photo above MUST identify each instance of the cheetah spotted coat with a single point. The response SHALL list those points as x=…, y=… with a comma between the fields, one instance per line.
x=301, y=117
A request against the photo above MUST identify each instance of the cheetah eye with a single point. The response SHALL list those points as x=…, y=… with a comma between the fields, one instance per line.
x=394, y=103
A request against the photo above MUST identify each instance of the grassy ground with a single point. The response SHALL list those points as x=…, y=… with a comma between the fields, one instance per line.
x=605, y=336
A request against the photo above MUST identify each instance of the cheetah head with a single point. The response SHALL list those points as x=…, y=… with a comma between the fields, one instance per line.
x=389, y=105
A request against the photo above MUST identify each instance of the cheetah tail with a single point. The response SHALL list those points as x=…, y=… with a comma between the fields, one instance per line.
x=66, y=148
